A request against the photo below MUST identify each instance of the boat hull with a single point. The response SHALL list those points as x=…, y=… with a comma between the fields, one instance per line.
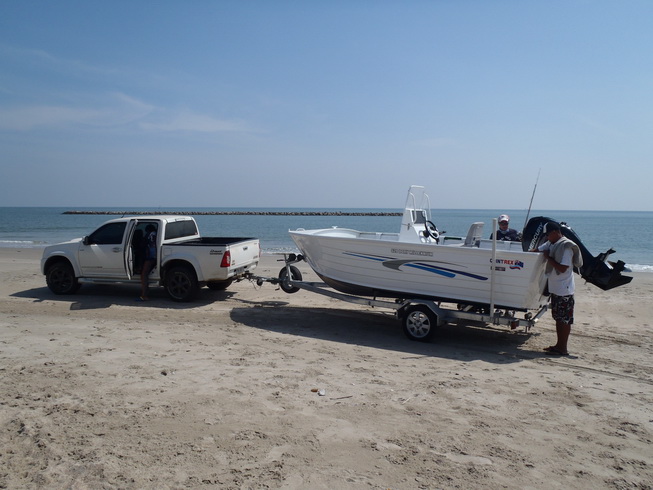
x=378, y=264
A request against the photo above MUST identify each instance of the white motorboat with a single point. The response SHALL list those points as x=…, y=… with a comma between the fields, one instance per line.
x=418, y=262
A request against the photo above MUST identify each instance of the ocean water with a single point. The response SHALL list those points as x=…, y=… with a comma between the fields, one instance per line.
x=630, y=233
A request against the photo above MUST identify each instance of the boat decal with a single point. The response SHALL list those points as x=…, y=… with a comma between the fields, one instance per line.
x=407, y=251
x=438, y=269
x=513, y=264
x=370, y=257
x=425, y=265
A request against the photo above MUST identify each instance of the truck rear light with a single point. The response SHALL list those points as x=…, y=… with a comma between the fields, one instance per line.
x=226, y=259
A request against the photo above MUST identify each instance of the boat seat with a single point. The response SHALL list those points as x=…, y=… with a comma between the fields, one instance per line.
x=474, y=234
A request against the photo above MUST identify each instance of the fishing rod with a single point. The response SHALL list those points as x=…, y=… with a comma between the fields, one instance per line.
x=532, y=196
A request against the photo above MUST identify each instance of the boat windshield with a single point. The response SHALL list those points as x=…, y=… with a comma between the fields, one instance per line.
x=418, y=200
x=416, y=214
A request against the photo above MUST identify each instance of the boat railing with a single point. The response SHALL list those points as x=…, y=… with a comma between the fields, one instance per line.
x=371, y=235
x=420, y=201
x=486, y=244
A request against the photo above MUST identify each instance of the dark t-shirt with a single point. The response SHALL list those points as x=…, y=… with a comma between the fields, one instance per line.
x=150, y=246
x=509, y=235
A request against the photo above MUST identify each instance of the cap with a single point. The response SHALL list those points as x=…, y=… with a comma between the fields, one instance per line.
x=504, y=217
x=551, y=226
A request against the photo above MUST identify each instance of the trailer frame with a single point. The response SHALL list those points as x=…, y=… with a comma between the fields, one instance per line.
x=419, y=317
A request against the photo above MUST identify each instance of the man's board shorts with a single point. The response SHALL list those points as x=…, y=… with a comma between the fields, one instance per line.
x=562, y=308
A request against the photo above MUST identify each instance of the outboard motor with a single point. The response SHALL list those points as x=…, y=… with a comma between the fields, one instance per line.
x=595, y=270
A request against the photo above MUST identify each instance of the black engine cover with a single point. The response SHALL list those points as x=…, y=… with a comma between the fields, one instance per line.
x=595, y=270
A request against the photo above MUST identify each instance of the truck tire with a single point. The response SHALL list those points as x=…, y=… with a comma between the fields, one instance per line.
x=219, y=285
x=419, y=323
x=60, y=278
x=181, y=283
x=295, y=275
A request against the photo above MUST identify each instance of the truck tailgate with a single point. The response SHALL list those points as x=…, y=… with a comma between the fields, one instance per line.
x=244, y=253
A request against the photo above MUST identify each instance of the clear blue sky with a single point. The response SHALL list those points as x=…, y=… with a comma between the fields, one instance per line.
x=327, y=103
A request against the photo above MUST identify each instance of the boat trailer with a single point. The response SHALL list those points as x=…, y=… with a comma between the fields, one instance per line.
x=419, y=317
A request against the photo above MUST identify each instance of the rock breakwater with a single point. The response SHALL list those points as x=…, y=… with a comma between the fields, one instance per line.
x=237, y=213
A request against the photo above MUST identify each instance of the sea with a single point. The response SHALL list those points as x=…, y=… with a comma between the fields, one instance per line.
x=629, y=233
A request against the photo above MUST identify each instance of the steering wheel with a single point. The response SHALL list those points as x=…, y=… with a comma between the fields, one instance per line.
x=431, y=230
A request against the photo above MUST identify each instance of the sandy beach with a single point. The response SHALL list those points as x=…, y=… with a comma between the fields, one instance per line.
x=99, y=391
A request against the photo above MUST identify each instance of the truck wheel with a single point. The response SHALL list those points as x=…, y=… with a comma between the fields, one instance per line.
x=181, y=284
x=219, y=285
x=295, y=275
x=61, y=279
x=419, y=323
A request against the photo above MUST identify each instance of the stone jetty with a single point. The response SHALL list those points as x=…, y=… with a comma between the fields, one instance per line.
x=238, y=213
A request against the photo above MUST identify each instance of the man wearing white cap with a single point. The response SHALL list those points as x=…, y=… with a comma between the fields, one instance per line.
x=504, y=233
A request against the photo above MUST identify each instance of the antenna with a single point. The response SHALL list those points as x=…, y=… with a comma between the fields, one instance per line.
x=532, y=196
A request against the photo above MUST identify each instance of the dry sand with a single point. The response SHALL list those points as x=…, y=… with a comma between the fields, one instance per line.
x=99, y=391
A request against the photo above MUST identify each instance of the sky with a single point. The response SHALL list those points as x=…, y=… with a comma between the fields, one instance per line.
x=322, y=104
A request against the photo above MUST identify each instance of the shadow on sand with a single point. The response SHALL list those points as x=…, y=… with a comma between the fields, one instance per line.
x=462, y=341
x=100, y=296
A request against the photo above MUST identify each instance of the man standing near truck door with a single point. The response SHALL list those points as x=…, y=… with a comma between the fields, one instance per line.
x=149, y=261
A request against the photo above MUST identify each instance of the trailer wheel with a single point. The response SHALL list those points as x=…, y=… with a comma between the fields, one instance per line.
x=181, y=284
x=295, y=275
x=219, y=285
x=61, y=279
x=419, y=323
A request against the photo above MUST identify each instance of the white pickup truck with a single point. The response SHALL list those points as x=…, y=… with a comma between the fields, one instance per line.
x=185, y=260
